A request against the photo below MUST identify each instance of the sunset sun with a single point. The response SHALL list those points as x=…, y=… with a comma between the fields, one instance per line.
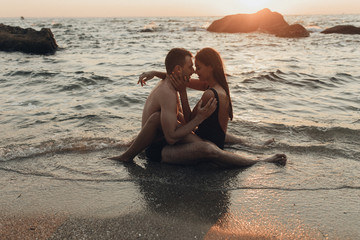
x=251, y=6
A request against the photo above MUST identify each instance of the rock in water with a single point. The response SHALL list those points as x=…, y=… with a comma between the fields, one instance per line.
x=343, y=29
x=264, y=21
x=292, y=31
x=27, y=40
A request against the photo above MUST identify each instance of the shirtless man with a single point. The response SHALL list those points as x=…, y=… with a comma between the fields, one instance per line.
x=160, y=113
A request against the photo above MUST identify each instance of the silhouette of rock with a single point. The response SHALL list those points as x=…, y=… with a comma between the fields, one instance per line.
x=292, y=31
x=264, y=21
x=147, y=30
x=343, y=29
x=27, y=40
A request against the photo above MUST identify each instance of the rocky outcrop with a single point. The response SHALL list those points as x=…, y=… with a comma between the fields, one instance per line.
x=292, y=31
x=27, y=40
x=264, y=21
x=343, y=29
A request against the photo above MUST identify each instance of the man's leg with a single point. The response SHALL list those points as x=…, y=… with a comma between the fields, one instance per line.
x=195, y=150
x=146, y=136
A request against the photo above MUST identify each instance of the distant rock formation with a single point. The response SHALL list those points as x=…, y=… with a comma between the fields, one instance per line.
x=343, y=29
x=264, y=21
x=27, y=40
x=292, y=31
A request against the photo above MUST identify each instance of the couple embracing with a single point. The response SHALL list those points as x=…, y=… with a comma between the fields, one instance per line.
x=172, y=132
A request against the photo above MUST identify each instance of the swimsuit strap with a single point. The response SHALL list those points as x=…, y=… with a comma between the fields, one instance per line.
x=216, y=96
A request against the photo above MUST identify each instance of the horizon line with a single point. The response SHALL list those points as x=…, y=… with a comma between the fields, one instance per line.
x=181, y=16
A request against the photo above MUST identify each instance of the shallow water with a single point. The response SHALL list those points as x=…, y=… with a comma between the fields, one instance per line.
x=303, y=92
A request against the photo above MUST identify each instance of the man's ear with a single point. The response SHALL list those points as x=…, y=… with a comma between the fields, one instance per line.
x=177, y=68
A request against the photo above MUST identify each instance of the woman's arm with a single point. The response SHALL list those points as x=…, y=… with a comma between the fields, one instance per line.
x=195, y=84
x=146, y=76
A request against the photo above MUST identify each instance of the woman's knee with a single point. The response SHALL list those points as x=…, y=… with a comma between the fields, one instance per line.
x=208, y=149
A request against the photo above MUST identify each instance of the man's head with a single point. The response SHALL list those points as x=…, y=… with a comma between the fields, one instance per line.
x=179, y=59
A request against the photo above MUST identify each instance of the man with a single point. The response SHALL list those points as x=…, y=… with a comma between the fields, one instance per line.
x=161, y=113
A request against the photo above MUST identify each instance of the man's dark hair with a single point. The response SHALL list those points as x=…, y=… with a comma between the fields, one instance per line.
x=176, y=56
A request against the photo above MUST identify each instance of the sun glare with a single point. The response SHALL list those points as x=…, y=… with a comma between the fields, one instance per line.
x=252, y=6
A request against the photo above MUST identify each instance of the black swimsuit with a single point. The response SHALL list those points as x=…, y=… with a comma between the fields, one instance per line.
x=210, y=128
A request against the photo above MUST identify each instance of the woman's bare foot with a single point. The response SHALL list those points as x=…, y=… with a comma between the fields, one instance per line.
x=278, y=159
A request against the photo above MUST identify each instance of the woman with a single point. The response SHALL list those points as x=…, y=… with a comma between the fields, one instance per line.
x=212, y=80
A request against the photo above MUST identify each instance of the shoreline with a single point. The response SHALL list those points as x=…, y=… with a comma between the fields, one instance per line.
x=39, y=207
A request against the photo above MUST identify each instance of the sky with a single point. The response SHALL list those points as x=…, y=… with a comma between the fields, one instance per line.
x=149, y=8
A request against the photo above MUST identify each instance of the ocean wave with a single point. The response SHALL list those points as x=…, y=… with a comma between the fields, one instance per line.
x=317, y=132
x=127, y=100
x=153, y=177
x=70, y=87
x=272, y=76
x=314, y=29
x=18, y=73
x=357, y=121
x=193, y=29
x=326, y=149
x=80, y=145
x=299, y=79
x=72, y=175
x=44, y=74
x=79, y=82
x=299, y=139
x=295, y=189
x=151, y=27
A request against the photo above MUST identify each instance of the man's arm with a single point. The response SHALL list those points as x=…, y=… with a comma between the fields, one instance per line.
x=185, y=105
x=168, y=119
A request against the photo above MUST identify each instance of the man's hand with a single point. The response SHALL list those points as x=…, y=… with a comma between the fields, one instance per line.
x=179, y=81
x=205, y=112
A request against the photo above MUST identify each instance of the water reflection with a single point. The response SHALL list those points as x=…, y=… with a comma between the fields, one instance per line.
x=190, y=193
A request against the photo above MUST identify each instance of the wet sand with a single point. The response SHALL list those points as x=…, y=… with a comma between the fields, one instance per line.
x=43, y=207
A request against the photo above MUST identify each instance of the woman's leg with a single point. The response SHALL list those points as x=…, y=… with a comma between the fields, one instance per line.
x=146, y=136
x=196, y=150
x=233, y=139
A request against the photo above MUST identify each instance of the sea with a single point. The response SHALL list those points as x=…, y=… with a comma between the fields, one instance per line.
x=84, y=99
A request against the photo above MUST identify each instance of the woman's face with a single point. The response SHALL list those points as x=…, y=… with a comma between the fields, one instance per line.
x=204, y=72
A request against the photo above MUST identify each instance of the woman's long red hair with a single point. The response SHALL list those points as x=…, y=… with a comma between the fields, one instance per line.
x=210, y=57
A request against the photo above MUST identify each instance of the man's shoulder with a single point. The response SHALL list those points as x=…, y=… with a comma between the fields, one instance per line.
x=163, y=89
x=164, y=95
